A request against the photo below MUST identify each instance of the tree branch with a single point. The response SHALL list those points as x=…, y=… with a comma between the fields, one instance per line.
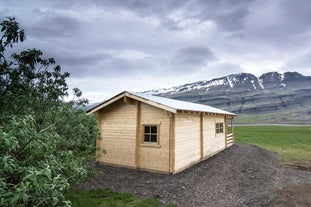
x=18, y=152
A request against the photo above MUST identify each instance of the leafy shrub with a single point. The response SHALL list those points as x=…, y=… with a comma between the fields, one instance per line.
x=41, y=135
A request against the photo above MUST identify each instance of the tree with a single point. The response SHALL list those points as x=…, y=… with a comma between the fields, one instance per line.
x=41, y=135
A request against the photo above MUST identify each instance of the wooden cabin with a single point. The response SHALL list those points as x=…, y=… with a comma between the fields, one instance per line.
x=160, y=134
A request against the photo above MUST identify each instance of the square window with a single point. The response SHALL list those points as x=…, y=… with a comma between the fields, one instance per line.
x=219, y=128
x=151, y=133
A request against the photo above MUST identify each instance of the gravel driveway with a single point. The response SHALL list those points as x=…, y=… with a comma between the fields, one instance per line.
x=243, y=175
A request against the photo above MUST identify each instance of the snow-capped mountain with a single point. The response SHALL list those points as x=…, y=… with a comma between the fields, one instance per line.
x=244, y=81
x=274, y=96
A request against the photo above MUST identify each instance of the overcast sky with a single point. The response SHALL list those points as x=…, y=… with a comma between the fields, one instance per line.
x=136, y=45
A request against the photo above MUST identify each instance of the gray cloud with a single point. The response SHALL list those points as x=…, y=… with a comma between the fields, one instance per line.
x=144, y=8
x=283, y=24
x=227, y=68
x=227, y=14
x=51, y=25
x=193, y=56
x=301, y=63
x=98, y=65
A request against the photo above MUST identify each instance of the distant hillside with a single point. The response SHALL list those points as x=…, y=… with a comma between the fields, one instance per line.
x=270, y=98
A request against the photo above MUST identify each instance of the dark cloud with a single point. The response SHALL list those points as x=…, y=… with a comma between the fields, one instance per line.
x=144, y=7
x=297, y=13
x=170, y=24
x=80, y=60
x=94, y=66
x=227, y=14
x=282, y=24
x=53, y=25
x=193, y=56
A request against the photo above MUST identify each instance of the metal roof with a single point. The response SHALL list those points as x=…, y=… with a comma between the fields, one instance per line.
x=182, y=105
x=171, y=103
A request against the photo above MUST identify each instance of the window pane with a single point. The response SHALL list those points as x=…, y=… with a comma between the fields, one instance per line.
x=154, y=129
x=147, y=129
x=153, y=138
x=219, y=128
x=146, y=138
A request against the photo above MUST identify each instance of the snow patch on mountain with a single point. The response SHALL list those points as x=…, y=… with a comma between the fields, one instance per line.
x=215, y=83
x=253, y=82
x=260, y=82
x=229, y=81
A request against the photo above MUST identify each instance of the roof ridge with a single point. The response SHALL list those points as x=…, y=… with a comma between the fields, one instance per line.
x=168, y=104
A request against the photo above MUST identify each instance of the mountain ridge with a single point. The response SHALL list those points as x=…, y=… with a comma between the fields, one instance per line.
x=270, y=98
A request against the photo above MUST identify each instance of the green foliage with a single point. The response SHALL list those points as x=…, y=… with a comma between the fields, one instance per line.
x=40, y=134
x=11, y=33
x=292, y=143
x=106, y=197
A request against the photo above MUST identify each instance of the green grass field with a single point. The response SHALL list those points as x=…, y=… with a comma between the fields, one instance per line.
x=292, y=143
x=109, y=198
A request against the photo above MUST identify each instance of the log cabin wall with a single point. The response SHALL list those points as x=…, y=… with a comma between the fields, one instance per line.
x=212, y=142
x=187, y=140
x=117, y=123
x=154, y=156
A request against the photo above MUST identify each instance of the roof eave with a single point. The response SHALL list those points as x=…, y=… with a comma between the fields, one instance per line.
x=208, y=112
x=105, y=103
x=133, y=96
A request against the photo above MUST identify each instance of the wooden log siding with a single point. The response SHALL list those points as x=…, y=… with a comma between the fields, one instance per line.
x=229, y=140
x=213, y=143
x=138, y=120
x=155, y=156
x=172, y=144
x=195, y=138
x=187, y=140
x=201, y=137
x=118, y=131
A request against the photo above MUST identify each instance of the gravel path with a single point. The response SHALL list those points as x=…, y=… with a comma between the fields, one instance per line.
x=243, y=175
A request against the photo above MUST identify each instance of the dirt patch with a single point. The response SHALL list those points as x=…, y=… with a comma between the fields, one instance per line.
x=243, y=175
x=298, y=195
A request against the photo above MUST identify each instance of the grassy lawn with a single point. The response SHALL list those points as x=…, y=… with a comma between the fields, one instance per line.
x=108, y=198
x=292, y=143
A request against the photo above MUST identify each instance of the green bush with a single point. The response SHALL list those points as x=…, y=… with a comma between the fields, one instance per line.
x=42, y=137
